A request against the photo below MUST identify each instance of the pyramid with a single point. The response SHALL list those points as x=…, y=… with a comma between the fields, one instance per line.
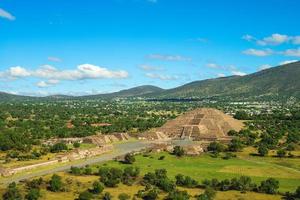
x=200, y=124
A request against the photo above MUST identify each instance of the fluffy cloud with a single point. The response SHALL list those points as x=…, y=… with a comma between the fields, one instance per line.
x=6, y=15
x=84, y=71
x=292, y=52
x=214, y=66
x=161, y=77
x=150, y=68
x=258, y=52
x=287, y=62
x=43, y=84
x=238, y=73
x=274, y=39
x=54, y=59
x=168, y=57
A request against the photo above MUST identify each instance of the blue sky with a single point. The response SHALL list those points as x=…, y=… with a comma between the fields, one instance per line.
x=85, y=47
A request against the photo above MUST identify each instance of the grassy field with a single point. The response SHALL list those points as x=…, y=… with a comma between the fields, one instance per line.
x=206, y=167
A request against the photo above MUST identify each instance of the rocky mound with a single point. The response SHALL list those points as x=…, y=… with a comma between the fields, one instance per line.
x=200, y=124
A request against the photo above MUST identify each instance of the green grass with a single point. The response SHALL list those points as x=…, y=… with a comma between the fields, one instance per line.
x=206, y=167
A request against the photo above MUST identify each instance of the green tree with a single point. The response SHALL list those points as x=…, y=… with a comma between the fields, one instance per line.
x=86, y=195
x=33, y=194
x=281, y=153
x=107, y=196
x=123, y=196
x=97, y=187
x=178, y=195
x=209, y=194
x=55, y=183
x=269, y=186
x=129, y=158
x=12, y=192
x=178, y=151
x=262, y=150
x=76, y=144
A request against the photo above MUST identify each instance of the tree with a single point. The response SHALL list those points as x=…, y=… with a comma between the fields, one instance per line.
x=262, y=150
x=235, y=145
x=216, y=147
x=209, y=194
x=241, y=115
x=123, y=196
x=110, y=177
x=76, y=144
x=12, y=192
x=86, y=195
x=107, y=196
x=178, y=151
x=281, y=153
x=178, y=195
x=75, y=170
x=97, y=187
x=269, y=186
x=129, y=158
x=33, y=194
x=58, y=147
x=55, y=183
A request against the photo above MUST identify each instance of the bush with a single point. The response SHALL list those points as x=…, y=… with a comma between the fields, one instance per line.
x=33, y=194
x=129, y=158
x=97, y=187
x=262, y=150
x=111, y=177
x=178, y=195
x=58, y=147
x=86, y=195
x=269, y=186
x=55, y=183
x=76, y=144
x=178, y=151
x=123, y=196
x=185, y=181
x=107, y=196
x=12, y=192
x=216, y=147
x=209, y=194
x=281, y=153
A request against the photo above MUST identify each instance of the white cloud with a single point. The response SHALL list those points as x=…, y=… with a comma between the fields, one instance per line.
x=248, y=38
x=54, y=59
x=168, y=57
x=258, y=52
x=84, y=71
x=18, y=71
x=161, y=77
x=292, y=52
x=6, y=15
x=214, y=66
x=287, y=62
x=221, y=75
x=238, y=73
x=150, y=68
x=296, y=40
x=263, y=67
x=274, y=39
x=43, y=84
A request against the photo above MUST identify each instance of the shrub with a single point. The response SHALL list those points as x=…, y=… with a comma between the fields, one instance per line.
x=12, y=192
x=269, y=186
x=178, y=195
x=97, y=187
x=178, y=151
x=281, y=153
x=86, y=195
x=129, y=158
x=55, y=183
x=123, y=196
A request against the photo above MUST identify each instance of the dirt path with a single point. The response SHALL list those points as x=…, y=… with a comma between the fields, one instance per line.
x=120, y=149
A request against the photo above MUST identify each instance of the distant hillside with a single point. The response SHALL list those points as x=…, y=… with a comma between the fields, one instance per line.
x=279, y=82
x=282, y=82
x=132, y=92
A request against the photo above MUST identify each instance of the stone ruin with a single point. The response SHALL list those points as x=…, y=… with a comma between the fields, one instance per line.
x=203, y=124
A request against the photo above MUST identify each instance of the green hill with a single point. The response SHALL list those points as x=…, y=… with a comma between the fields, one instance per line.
x=277, y=82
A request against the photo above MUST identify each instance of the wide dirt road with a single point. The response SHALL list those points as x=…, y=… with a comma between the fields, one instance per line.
x=120, y=149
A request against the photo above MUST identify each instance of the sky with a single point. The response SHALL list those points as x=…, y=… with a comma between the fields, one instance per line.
x=88, y=47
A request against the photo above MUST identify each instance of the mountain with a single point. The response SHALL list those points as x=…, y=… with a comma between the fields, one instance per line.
x=276, y=82
x=279, y=82
x=132, y=92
